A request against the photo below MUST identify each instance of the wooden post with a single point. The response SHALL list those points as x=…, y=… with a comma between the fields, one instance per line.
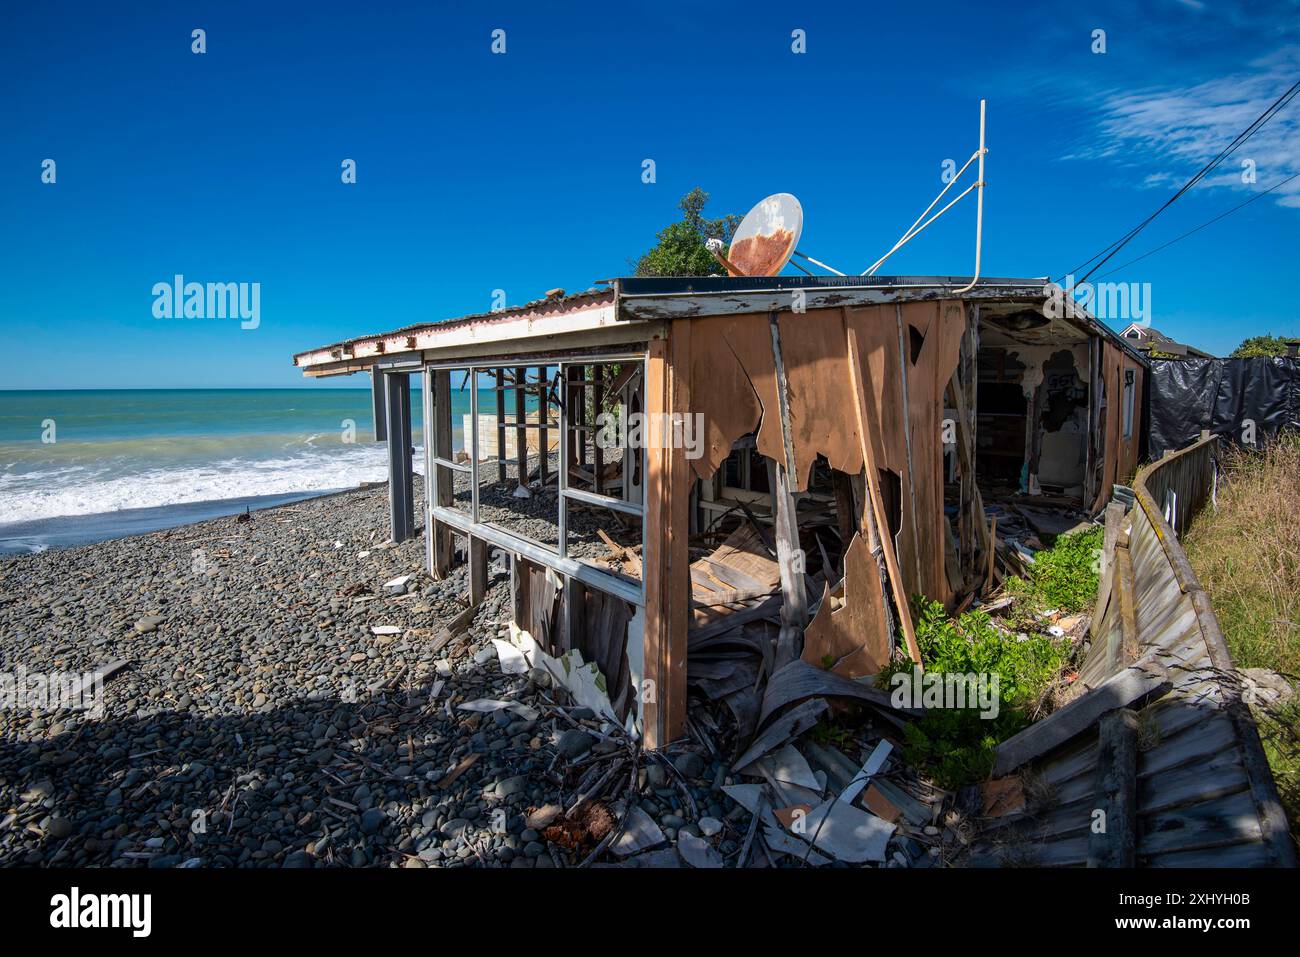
x=521, y=433
x=790, y=562
x=789, y=555
x=440, y=383
x=478, y=569
x=1130, y=644
x=1114, y=521
x=666, y=560
x=501, y=424
x=597, y=400
x=572, y=614
x=1116, y=791
x=580, y=418
x=543, y=459
x=401, y=496
x=519, y=593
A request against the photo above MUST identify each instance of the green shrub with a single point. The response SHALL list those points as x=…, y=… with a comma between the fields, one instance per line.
x=957, y=745
x=1065, y=576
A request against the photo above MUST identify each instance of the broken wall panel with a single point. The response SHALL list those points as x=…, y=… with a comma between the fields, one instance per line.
x=850, y=633
x=908, y=352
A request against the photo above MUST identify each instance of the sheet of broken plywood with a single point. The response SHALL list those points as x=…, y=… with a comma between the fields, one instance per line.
x=739, y=569
x=907, y=350
x=732, y=382
x=912, y=350
x=821, y=420
x=849, y=632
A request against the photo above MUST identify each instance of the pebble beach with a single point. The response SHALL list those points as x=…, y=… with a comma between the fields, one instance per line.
x=278, y=706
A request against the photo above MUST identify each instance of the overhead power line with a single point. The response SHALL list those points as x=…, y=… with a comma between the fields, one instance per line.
x=1209, y=222
x=1276, y=106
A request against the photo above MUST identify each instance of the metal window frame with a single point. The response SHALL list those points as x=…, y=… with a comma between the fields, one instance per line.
x=558, y=558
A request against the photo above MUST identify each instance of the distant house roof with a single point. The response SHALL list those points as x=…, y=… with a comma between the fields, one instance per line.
x=1135, y=330
x=1145, y=338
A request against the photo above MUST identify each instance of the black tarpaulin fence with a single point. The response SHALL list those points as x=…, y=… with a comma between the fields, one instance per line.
x=1233, y=398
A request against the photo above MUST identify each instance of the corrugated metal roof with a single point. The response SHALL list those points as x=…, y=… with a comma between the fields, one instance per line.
x=645, y=290
x=508, y=312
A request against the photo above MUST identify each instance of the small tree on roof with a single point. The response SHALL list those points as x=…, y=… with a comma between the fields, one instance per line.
x=681, y=250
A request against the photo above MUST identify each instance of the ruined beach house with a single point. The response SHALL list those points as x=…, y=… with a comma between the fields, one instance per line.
x=726, y=488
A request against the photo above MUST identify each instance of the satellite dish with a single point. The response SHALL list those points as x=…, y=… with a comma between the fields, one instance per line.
x=767, y=236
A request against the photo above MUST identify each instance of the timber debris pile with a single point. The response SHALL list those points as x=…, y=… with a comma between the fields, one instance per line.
x=780, y=765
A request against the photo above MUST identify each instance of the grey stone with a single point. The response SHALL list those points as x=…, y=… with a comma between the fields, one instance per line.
x=574, y=743
x=689, y=764
x=511, y=786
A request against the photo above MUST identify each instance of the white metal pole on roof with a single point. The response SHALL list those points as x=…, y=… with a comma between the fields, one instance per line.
x=979, y=208
x=815, y=262
x=913, y=230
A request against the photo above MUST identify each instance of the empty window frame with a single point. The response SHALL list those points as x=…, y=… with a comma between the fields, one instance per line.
x=585, y=413
x=1130, y=390
x=447, y=465
x=516, y=441
x=603, y=449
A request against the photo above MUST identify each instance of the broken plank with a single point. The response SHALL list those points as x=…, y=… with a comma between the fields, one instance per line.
x=876, y=512
x=1081, y=714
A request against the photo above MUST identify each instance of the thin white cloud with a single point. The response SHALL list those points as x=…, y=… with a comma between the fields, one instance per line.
x=1184, y=128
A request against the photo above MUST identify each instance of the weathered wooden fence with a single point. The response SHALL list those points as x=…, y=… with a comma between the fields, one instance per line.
x=1157, y=738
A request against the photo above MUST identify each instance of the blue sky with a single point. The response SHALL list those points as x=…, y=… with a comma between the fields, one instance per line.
x=522, y=171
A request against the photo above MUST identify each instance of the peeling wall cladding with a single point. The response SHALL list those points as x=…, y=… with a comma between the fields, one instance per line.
x=908, y=353
x=1220, y=395
x=1119, y=454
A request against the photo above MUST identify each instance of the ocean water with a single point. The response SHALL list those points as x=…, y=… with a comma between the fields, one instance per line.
x=124, y=462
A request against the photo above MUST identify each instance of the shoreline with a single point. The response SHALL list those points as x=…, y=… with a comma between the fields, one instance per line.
x=34, y=536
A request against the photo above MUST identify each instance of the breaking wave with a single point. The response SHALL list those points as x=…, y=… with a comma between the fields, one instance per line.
x=110, y=478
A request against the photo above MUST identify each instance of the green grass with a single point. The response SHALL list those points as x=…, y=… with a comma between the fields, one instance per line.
x=1246, y=555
